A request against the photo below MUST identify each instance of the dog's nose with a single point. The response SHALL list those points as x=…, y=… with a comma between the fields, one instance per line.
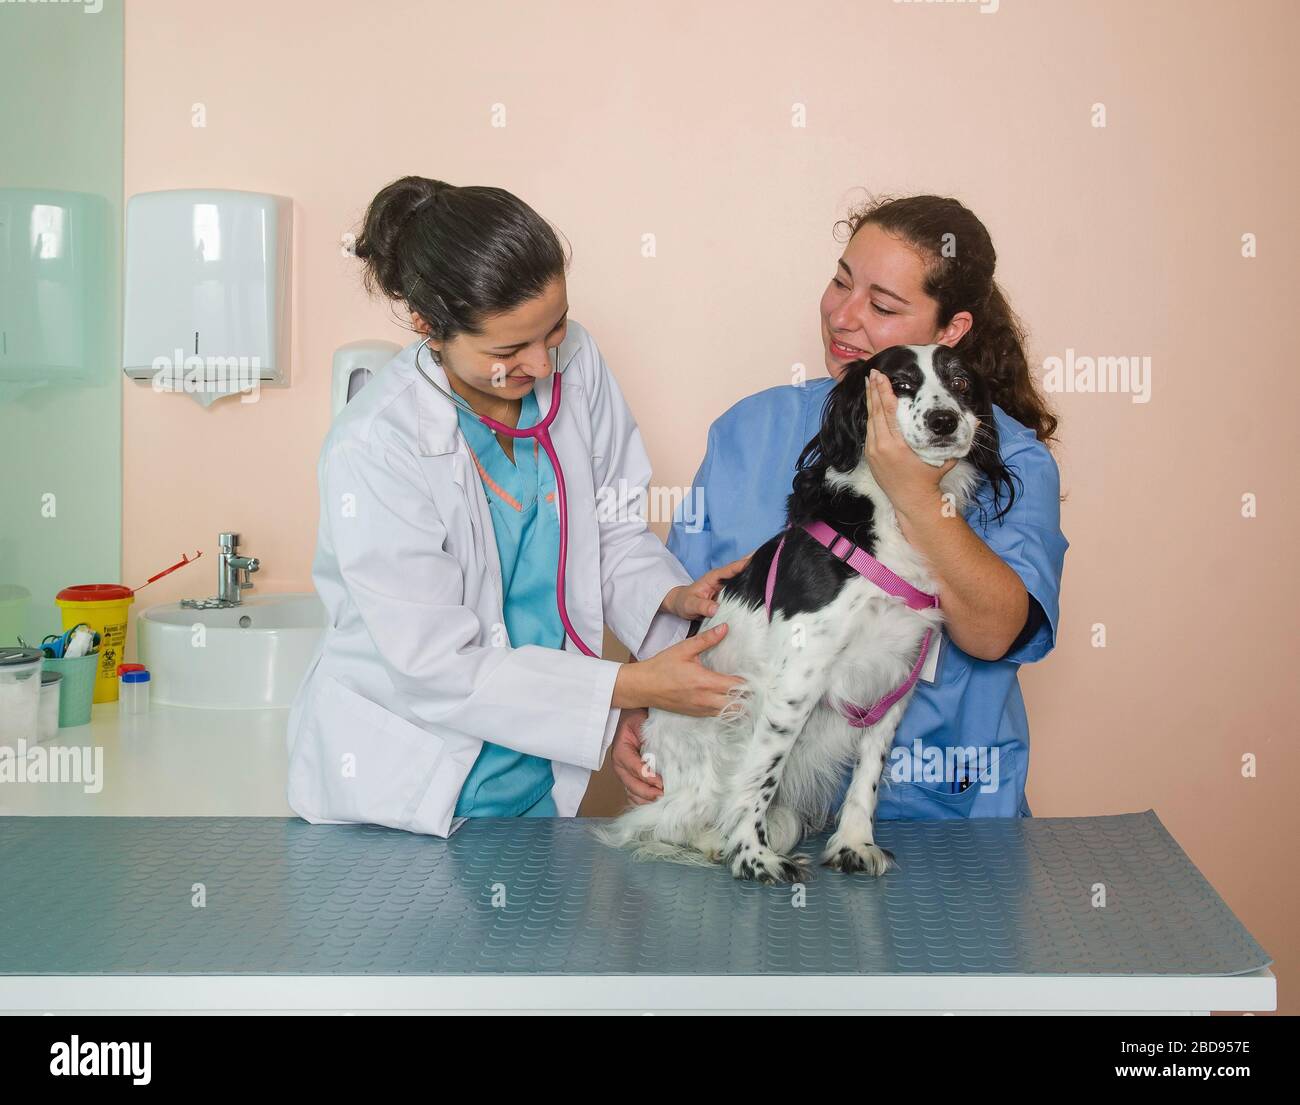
x=941, y=422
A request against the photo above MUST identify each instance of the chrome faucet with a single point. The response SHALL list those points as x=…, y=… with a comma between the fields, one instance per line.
x=233, y=571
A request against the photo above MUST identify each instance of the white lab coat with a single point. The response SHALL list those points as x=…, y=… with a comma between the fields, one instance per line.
x=415, y=670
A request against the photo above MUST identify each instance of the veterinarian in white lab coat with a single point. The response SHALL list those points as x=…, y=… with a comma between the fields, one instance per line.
x=446, y=685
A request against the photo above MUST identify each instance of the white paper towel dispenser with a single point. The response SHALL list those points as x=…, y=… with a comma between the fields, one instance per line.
x=55, y=294
x=207, y=291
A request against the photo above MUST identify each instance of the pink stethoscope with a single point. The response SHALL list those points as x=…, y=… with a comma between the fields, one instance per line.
x=541, y=433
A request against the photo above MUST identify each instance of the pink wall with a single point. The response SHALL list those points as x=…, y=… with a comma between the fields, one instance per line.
x=675, y=119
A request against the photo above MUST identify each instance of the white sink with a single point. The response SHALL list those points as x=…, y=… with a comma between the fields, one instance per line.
x=247, y=657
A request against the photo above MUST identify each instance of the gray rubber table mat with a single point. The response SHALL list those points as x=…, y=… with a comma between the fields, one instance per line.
x=110, y=895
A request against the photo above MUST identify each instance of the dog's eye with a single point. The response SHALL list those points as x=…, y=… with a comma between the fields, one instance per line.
x=960, y=385
x=902, y=387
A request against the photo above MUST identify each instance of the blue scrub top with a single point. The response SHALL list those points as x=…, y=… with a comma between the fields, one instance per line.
x=503, y=782
x=970, y=723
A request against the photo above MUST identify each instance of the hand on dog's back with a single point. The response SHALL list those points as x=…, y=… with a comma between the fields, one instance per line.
x=676, y=681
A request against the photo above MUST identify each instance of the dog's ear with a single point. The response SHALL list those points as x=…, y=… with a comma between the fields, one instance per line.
x=986, y=451
x=843, y=433
x=986, y=455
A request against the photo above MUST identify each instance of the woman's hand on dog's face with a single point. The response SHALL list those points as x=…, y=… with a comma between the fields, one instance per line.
x=910, y=483
x=642, y=784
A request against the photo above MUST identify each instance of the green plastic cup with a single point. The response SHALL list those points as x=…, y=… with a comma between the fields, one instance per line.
x=77, y=692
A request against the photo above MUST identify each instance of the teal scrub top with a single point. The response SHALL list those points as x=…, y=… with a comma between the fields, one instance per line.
x=962, y=748
x=503, y=782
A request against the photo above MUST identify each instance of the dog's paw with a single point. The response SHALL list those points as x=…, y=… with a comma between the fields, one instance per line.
x=852, y=857
x=710, y=845
x=765, y=866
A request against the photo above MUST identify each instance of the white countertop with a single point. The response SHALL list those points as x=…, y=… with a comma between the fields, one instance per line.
x=170, y=762
x=884, y=994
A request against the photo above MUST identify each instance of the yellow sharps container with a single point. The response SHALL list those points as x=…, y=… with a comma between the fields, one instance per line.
x=103, y=607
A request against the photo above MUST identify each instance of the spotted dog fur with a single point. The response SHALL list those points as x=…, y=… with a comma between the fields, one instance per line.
x=743, y=788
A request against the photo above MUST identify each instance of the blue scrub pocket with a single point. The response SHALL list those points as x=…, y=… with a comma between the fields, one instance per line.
x=926, y=801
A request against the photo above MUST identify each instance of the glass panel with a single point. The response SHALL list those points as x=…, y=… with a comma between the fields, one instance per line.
x=60, y=374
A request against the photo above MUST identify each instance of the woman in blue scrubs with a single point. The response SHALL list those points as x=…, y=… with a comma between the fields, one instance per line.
x=915, y=271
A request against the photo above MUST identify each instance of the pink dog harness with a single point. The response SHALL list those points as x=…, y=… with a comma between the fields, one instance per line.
x=870, y=568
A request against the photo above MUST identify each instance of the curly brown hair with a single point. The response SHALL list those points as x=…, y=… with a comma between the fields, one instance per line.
x=961, y=279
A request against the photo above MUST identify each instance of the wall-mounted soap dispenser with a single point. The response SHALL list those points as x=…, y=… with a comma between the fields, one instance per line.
x=207, y=291
x=354, y=365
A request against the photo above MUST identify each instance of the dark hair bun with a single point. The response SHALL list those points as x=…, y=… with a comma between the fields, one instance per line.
x=456, y=255
x=387, y=215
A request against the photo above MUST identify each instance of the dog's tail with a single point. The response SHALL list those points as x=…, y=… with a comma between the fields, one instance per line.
x=629, y=827
x=635, y=829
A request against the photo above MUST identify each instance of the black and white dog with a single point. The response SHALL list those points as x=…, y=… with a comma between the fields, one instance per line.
x=743, y=788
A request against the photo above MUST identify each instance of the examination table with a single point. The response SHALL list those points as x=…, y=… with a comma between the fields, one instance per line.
x=259, y=914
